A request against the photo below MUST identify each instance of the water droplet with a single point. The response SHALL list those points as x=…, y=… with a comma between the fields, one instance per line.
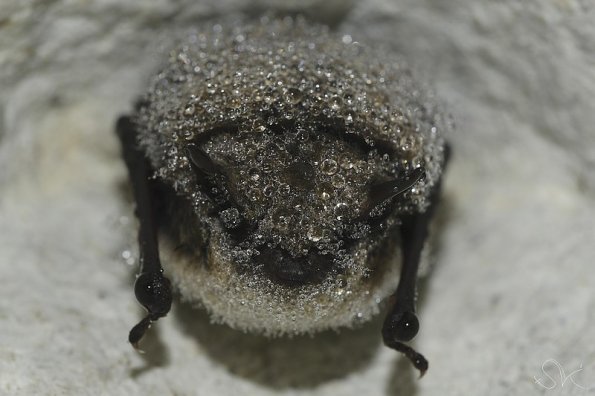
x=293, y=96
x=268, y=190
x=348, y=97
x=254, y=194
x=253, y=174
x=338, y=181
x=302, y=135
x=188, y=135
x=349, y=117
x=189, y=110
x=341, y=209
x=314, y=233
x=347, y=164
x=284, y=189
x=336, y=103
x=282, y=223
x=329, y=167
x=235, y=103
x=230, y=217
x=258, y=126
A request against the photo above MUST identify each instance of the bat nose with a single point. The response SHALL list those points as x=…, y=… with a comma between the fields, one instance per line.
x=282, y=268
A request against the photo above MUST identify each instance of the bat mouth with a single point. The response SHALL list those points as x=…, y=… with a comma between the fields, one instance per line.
x=283, y=268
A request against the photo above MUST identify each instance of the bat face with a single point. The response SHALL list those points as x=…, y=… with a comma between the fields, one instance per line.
x=287, y=159
x=294, y=200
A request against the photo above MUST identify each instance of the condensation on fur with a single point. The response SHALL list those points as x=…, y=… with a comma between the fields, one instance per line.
x=273, y=98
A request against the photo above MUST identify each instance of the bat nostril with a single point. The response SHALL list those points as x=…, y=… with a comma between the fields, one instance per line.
x=282, y=268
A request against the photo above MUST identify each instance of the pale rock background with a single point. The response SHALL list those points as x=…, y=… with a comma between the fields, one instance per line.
x=514, y=282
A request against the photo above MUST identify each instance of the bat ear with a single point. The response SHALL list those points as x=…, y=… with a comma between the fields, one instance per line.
x=390, y=189
x=380, y=192
x=201, y=160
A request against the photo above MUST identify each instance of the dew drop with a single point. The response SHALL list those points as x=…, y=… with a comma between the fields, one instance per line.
x=314, y=233
x=254, y=194
x=230, y=217
x=341, y=209
x=284, y=189
x=188, y=135
x=349, y=117
x=336, y=103
x=302, y=135
x=329, y=167
x=348, y=97
x=347, y=164
x=189, y=110
x=268, y=190
x=253, y=174
x=293, y=96
x=338, y=181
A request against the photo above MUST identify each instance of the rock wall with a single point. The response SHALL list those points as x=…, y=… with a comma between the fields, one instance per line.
x=511, y=294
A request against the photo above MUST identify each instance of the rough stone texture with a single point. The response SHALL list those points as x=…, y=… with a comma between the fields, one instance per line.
x=513, y=284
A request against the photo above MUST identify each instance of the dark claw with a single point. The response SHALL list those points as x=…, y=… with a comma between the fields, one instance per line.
x=138, y=331
x=420, y=363
x=417, y=359
x=402, y=326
